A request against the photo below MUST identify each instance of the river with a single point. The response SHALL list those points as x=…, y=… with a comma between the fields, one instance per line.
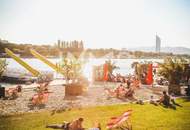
x=123, y=64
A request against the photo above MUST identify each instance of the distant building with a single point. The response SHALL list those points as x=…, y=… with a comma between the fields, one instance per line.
x=124, y=54
x=158, y=44
x=59, y=43
x=70, y=45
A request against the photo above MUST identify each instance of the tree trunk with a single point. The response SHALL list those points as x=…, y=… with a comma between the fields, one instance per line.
x=174, y=89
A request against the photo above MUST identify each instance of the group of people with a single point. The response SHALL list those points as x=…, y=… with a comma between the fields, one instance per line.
x=166, y=100
x=125, y=79
x=121, y=91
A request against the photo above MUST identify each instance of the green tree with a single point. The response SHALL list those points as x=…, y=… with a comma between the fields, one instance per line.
x=111, y=66
x=72, y=68
x=140, y=69
x=174, y=71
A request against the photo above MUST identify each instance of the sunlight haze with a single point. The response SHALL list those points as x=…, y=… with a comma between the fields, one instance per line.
x=99, y=23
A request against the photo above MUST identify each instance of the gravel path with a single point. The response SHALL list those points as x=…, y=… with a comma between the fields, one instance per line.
x=95, y=96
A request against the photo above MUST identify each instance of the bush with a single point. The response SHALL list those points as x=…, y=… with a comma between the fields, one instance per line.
x=3, y=66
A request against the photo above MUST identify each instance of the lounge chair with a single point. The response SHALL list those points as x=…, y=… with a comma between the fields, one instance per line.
x=130, y=92
x=40, y=98
x=110, y=92
x=120, y=122
x=13, y=93
x=119, y=92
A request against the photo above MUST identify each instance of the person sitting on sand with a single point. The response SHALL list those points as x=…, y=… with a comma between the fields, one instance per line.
x=120, y=91
x=130, y=92
x=43, y=87
x=128, y=82
x=19, y=88
x=13, y=92
x=136, y=82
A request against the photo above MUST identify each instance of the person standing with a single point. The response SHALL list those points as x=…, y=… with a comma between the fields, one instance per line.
x=188, y=87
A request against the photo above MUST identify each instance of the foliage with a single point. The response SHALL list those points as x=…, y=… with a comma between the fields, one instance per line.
x=174, y=70
x=3, y=66
x=111, y=66
x=47, y=50
x=72, y=68
x=45, y=78
x=140, y=69
x=142, y=117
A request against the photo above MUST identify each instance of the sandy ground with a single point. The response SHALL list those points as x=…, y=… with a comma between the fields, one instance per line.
x=95, y=96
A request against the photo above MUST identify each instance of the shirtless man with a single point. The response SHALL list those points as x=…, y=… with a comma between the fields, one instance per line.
x=73, y=125
x=76, y=124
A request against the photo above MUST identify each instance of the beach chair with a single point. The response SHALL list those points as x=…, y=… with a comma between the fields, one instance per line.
x=110, y=92
x=40, y=98
x=119, y=92
x=11, y=93
x=120, y=122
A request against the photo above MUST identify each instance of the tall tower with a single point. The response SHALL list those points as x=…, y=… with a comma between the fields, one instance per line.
x=158, y=44
x=59, y=43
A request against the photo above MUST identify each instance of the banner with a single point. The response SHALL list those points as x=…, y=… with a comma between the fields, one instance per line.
x=149, y=77
x=105, y=78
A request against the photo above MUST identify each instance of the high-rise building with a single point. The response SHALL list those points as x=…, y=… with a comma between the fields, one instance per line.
x=59, y=43
x=158, y=44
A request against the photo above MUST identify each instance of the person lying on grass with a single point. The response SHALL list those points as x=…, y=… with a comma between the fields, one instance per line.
x=73, y=125
x=76, y=124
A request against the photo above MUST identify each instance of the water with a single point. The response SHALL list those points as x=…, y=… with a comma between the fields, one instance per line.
x=123, y=64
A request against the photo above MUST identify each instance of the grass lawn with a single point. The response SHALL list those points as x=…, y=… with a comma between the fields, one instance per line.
x=144, y=117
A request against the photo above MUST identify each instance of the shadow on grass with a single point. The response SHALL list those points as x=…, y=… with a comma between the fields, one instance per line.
x=5, y=121
x=186, y=99
x=173, y=105
x=40, y=106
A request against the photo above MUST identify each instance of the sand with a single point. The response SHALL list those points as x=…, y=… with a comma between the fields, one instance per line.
x=95, y=96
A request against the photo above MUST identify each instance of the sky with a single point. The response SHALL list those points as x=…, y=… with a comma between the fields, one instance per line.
x=99, y=23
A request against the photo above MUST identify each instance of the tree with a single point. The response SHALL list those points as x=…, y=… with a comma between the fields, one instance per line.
x=111, y=66
x=72, y=68
x=174, y=71
x=141, y=70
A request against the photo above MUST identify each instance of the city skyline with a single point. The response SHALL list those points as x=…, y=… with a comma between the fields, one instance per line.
x=100, y=24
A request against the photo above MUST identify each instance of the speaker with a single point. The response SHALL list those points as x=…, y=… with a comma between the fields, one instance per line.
x=2, y=92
